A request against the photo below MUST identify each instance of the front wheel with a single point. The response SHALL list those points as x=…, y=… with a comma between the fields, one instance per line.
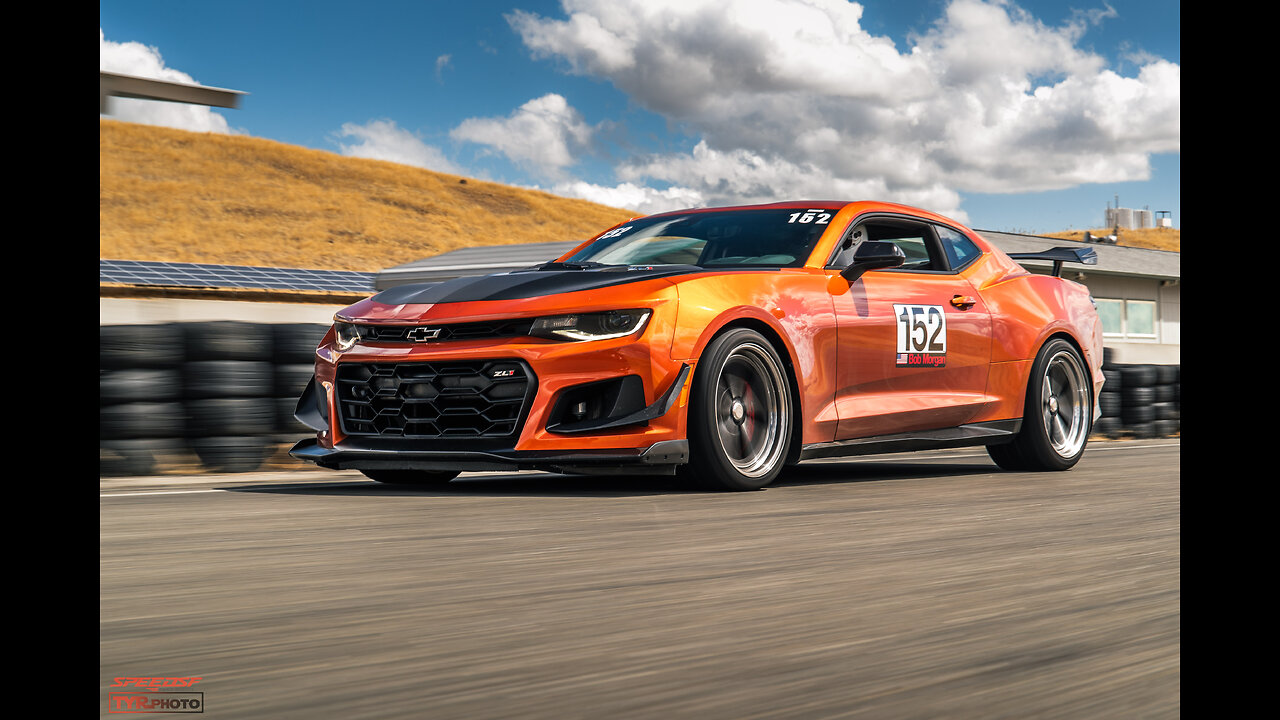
x=410, y=477
x=1059, y=413
x=740, y=414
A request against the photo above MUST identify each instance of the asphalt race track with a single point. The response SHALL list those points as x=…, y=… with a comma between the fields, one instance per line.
x=930, y=585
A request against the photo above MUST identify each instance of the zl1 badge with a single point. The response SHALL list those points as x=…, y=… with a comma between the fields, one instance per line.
x=922, y=336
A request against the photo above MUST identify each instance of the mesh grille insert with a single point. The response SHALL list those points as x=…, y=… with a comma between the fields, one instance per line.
x=462, y=399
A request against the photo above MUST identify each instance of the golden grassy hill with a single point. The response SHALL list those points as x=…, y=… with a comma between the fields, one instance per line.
x=180, y=196
x=1153, y=238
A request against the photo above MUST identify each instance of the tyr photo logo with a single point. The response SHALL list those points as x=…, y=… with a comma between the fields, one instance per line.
x=154, y=695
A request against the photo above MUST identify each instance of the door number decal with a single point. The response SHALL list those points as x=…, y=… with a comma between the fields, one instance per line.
x=922, y=336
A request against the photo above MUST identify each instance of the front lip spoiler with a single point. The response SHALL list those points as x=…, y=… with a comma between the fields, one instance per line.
x=661, y=458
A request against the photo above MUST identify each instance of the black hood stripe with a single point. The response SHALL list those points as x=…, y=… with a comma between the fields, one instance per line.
x=524, y=284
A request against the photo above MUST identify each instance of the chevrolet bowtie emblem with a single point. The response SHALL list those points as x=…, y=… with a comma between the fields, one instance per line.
x=423, y=334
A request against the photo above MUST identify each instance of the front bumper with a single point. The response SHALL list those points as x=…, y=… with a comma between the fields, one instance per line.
x=660, y=458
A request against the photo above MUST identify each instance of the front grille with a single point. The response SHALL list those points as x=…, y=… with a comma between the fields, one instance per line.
x=453, y=399
x=444, y=333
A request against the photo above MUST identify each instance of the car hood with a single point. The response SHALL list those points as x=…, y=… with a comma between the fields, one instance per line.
x=522, y=284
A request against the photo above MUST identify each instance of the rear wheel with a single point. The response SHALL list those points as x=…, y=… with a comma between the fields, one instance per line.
x=410, y=477
x=740, y=414
x=1059, y=413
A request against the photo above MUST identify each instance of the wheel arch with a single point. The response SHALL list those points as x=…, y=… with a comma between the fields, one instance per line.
x=784, y=351
x=1079, y=348
x=1050, y=336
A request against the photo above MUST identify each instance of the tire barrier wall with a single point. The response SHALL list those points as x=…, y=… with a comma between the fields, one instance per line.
x=221, y=391
x=1139, y=401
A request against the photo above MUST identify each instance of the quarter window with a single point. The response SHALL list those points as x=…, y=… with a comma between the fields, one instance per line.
x=960, y=249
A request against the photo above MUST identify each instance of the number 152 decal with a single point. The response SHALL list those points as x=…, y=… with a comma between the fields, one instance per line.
x=922, y=336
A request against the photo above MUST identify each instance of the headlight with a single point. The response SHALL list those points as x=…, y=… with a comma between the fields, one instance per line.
x=347, y=335
x=591, y=326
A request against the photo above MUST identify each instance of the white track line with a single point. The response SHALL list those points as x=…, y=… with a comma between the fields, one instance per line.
x=160, y=492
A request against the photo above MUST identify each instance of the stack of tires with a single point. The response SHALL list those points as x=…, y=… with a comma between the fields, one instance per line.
x=228, y=385
x=140, y=412
x=1167, y=403
x=1109, y=400
x=224, y=391
x=1139, y=400
x=294, y=358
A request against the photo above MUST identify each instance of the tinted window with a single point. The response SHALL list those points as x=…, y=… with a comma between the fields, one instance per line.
x=960, y=249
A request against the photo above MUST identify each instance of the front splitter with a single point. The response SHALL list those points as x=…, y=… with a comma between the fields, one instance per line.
x=658, y=459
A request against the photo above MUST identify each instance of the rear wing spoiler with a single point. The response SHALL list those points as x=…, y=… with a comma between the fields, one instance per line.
x=1059, y=255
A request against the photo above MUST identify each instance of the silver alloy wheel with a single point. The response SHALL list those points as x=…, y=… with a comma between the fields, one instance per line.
x=1065, y=405
x=752, y=409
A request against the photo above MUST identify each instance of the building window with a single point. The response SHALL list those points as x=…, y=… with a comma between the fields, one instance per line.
x=1127, y=318
x=1140, y=318
x=1111, y=312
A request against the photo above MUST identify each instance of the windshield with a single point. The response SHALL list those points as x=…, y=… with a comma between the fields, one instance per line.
x=773, y=237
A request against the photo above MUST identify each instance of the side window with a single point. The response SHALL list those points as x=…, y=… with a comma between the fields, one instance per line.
x=960, y=249
x=916, y=239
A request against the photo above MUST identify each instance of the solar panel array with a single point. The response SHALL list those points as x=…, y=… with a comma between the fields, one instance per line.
x=199, y=275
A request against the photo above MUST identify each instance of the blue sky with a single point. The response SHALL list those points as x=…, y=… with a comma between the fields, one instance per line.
x=1023, y=117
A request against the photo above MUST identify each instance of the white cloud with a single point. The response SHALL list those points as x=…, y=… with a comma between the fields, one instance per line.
x=794, y=98
x=384, y=140
x=545, y=135
x=644, y=200
x=133, y=58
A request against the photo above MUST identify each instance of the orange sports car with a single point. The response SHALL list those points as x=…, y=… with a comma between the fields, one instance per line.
x=721, y=343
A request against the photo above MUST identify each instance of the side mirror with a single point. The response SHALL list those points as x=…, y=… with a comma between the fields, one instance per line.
x=873, y=255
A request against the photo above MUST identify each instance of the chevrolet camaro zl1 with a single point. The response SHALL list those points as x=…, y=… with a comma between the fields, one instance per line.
x=720, y=343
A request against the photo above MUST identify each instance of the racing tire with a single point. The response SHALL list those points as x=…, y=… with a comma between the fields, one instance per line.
x=132, y=458
x=1142, y=431
x=422, y=478
x=227, y=340
x=1165, y=410
x=231, y=416
x=292, y=379
x=1107, y=427
x=1058, y=415
x=140, y=346
x=228, y=378
x=231, y=454
x=138, y=385
x=1110, y=403
x=1137, y=375
x=131, y=421
x=1111, y=380
x=1137, y=396
x=740, y=414
x=286, y=423
x=294, y=343
x=1138, y=414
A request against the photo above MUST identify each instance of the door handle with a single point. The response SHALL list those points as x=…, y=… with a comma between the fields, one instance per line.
x=964, y=302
